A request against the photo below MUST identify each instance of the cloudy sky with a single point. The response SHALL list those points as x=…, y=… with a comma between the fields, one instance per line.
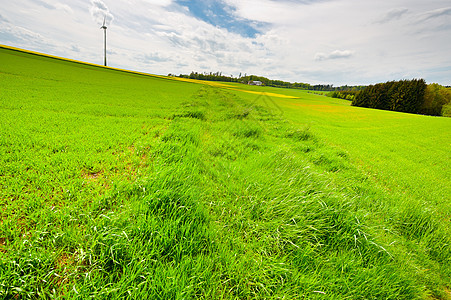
x=314, y=41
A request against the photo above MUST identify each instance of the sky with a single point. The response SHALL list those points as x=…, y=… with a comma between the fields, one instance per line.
x=353, y=42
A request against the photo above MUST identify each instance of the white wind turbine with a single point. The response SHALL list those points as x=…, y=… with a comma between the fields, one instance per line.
x=104, y=30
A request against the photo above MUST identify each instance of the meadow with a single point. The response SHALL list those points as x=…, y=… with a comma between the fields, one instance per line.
x=118, y=185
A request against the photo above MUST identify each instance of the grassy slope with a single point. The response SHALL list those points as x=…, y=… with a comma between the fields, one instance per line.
x=117, y=185
x=392, y=146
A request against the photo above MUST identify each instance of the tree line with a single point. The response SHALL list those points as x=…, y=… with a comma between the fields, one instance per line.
x=218, y=76
x=411, y=96
x=343, y=94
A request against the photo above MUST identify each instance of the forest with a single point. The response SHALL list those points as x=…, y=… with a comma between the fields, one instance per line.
x=411, y=96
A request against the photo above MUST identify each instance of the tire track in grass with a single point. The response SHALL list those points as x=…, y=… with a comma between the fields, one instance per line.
x=268, y=203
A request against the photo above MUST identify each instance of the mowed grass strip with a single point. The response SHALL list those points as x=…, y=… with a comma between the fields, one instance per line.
x=125, y=186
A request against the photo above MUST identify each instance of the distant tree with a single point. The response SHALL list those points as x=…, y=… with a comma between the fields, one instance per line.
x=411, y=95
x=446, y=110
x=435, y=98
x=218, y=76
x=346, y=95
x=403, y=96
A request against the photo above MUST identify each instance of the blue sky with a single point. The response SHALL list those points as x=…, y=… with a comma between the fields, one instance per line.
x=222, y=15
x=330, y=41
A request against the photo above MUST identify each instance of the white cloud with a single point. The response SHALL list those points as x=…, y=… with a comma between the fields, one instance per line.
x=100, y=12
x=19, y=35
x=53, y=4
x=159, y=2
x=337, y=54
x=3, y=19
x=393, y=14
x=436, y=13
x=64, y=7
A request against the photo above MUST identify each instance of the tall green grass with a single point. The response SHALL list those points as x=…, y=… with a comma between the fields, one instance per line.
x=122, y=186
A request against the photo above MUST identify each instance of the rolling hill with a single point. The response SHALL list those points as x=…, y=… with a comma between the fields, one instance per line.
x=118, y=184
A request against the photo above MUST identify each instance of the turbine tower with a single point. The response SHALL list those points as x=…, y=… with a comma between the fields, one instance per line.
x=104, y=30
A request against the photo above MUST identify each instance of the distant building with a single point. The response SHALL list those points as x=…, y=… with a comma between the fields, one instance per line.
x=255, y=82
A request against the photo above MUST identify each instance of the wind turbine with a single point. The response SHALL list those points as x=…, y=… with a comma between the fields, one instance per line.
x=104, y=30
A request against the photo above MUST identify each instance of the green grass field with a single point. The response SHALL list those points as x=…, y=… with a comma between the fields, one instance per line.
x=116, y=185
